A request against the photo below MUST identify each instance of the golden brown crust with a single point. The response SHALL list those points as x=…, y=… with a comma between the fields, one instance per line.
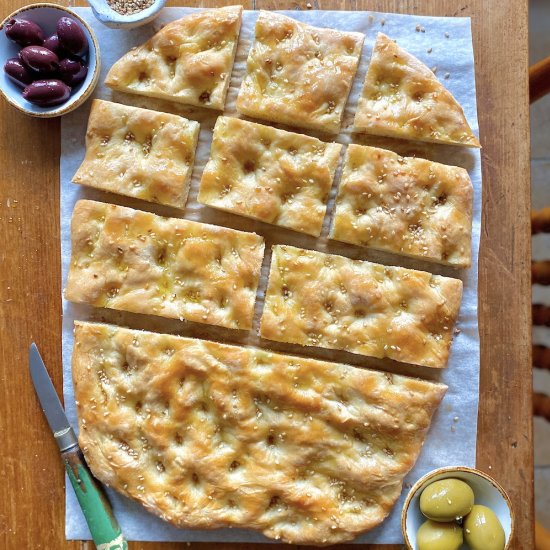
x=405, y=205
x=298, y=74
x=270, y=175
x=136, y=261
x=402, y=98
x=317, y=299
x=207, y=435
x=187, y=61
x=139, y=153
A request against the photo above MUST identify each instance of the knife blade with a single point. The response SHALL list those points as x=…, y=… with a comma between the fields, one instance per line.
x=51, y=406
x=97, y=511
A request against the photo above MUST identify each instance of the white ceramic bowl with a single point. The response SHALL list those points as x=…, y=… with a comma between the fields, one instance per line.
x=486, y=491
x=115, y=20
x=47, y=15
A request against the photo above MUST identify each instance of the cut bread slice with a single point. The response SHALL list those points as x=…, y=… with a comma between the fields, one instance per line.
x=402, y=98
x=139, y=153
x=298, y=74
x=405, y=205
x=188, y=61
x=130, y=260
x=269, y=174
x=208, y=435
x=333, y=302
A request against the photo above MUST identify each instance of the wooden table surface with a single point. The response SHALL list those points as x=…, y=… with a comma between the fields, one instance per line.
x=32, y=503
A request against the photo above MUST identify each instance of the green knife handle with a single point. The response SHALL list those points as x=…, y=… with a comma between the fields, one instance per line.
x=97, y=510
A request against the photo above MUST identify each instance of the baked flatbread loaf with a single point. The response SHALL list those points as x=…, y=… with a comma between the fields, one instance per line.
x=298, y=74
x=402, y=98
x=270, y=175
x=139, y=153
x=329, y=301
x=135, y=261
x=404, y=205
x=188, y=61
x=207, y=435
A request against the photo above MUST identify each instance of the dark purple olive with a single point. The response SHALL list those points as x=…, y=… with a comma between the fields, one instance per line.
x=25, y=33
x=47, y=93
x=72, y=71
x=71, y=36
x=39, y=59
x=53, y=44
x=17, y=72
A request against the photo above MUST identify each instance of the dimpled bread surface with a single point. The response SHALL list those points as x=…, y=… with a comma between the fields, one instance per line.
x=405, y=205
x=270, y=175
x=324, y=300
x=207, y=435
x=139, y=153
x=135, y=261
x=298, y=74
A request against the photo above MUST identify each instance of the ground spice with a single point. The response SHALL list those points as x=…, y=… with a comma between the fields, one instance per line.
x=129, y=7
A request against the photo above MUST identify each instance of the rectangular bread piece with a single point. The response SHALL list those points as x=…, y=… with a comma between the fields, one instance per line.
x=298, y=74
x=270, y=175
x=405, y=205
x=207, y=435
x=135, y=261
x=139, y=153
x=317, y=299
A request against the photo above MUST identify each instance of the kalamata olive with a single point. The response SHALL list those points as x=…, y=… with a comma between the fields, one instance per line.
x=46, y=93
x=71, y=36
x=446, y=500
x=72, y=71
x=17, y=72
x=483, y=530
x=25, y=33
x=433, y=535
x=39, y=59
x=53, y=44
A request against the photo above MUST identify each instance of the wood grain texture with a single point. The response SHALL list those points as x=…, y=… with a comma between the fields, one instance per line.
x=32, y=510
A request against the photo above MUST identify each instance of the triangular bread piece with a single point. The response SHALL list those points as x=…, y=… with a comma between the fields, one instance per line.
x=402, y=98
x=188, y=61
x=207, y=435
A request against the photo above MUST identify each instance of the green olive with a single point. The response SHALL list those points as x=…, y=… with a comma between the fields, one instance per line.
x=482, y=529
x=446, y=500
x=435, y=535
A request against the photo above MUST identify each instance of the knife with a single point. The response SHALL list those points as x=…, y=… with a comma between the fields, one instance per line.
x=97, y=510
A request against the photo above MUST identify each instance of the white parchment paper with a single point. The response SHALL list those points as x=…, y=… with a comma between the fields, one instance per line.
x=444, y=44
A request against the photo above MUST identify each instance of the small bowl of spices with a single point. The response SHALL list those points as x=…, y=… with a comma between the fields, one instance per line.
x=126, y=14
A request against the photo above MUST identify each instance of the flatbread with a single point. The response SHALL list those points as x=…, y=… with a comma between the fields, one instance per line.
x=188, y=61
x=135, y=261
x=207, y=435
x=405, y=205
x=139, y=153
x=402, y=98
x=270, y=175
x=317, y=299
x=298, y=74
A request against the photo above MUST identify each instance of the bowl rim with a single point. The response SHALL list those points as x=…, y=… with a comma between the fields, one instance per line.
x=85, y=93
x=450, y=470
